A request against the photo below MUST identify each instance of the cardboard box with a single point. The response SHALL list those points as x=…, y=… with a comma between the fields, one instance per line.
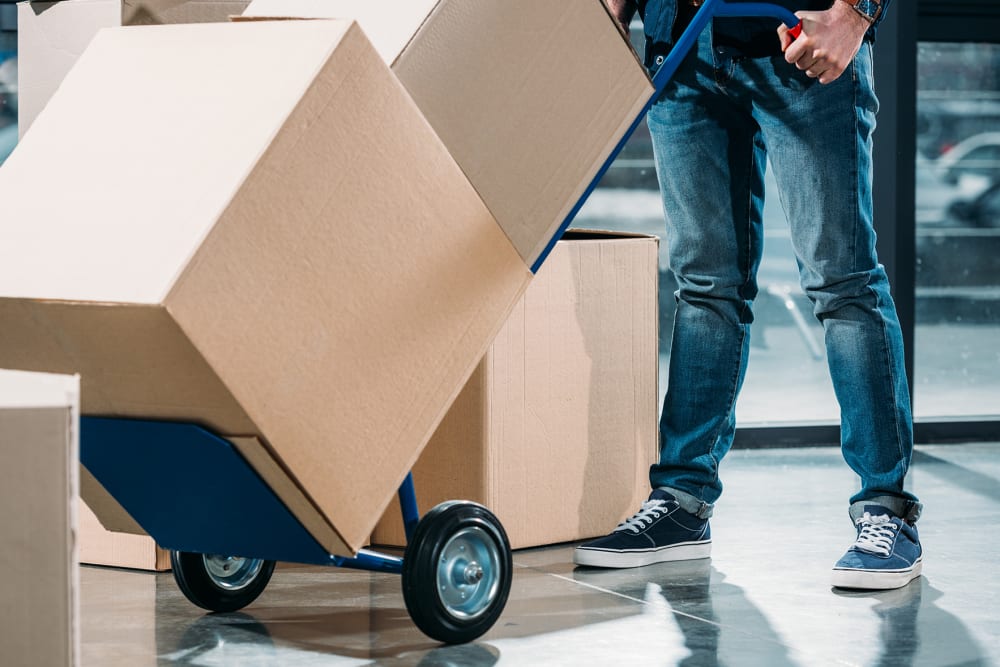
x=251, y=226
x=39, y=577
x=52, y=35
x=100, y=546
x=557, y=427
x=530, y=97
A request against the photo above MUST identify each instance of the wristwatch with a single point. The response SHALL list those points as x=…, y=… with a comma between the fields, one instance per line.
x=869, y=9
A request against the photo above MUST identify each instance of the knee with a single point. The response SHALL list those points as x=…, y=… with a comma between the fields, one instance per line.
x=863, y=292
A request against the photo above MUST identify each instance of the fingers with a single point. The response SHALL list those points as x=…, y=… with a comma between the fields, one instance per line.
x=828, y=42
x=811, y=59
x=784, y=37
x=796, y=49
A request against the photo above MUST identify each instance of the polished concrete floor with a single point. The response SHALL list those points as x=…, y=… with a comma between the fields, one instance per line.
x=762, y=599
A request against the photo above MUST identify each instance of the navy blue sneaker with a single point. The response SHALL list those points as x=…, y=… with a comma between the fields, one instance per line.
x=660, y=531
x=886, y=554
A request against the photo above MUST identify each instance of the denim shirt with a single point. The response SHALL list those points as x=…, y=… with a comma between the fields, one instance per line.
x=659, y=17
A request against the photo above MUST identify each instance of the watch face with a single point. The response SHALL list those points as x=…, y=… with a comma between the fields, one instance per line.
x=868, y=7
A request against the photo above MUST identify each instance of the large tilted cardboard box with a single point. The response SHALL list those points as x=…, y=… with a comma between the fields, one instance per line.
x=39, y=576
x=556, y=429
x=530, y=97
x=252, y=227
x=52, y=35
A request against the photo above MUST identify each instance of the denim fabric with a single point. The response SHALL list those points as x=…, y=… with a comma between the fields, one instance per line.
x=714, y=127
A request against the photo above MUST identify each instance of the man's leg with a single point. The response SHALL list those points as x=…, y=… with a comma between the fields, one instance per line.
x=710, y=164
x=820, y=139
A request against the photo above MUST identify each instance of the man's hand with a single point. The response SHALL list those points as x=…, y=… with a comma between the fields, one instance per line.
x=829, y=41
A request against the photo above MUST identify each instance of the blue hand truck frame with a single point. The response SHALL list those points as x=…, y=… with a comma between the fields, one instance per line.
x=220, y=505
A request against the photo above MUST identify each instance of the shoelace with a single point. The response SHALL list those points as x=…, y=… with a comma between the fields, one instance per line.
x=877, y=534
x=650, y=511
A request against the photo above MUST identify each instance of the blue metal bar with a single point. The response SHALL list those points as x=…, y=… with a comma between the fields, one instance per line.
x=408, y=505
x=709, y=10
x=371, y=561
x=762, y=9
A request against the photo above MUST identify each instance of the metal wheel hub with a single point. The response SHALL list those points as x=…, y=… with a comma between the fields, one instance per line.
x=468, y=573
x=232, y=572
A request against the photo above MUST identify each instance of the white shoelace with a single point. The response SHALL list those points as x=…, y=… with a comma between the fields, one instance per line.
x=650, y=511
x=877, y=534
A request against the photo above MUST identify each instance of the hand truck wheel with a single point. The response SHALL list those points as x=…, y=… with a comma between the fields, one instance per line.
x=220, y=583
x=457, y=572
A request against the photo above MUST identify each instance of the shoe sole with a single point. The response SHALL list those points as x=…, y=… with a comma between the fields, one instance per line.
x=875, y=580
x=638, y=558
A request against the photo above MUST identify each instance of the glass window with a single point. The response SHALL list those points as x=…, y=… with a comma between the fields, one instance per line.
x=787, y=380
x=957, y=348
x=8, y=81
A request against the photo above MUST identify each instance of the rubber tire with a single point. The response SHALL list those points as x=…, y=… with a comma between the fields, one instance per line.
x=420, y=569
x=197, y=584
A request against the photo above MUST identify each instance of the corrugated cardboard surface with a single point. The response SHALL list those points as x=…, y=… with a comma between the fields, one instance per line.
x=557, y=428
x=52, y=35
x=269, y=205
x=530, y=97
x=99, y=546
x=118, y=351
x=39, y=582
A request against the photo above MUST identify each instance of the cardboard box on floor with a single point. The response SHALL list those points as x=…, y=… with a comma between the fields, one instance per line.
x=39, y=576
x=530, y=97
x=52, y=35
x=100, y=546
x=556, y=429
x=252, y=227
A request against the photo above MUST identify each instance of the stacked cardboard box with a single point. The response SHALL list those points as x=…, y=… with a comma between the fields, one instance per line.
x=258, y=229
x=557, y=427
x=39, y=585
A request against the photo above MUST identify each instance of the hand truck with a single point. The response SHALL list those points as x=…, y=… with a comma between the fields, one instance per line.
x=457, y=567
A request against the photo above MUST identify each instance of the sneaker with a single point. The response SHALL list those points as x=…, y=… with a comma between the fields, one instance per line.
x=660, y=531
x=886, y=554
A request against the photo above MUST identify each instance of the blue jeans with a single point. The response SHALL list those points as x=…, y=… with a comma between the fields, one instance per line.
x=713, y=129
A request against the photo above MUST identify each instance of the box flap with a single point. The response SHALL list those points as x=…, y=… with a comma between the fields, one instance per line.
x=109, y=512
x=578, y=234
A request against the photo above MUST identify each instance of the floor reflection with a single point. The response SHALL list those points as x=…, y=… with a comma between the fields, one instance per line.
x=913, y=630
x=715, y=618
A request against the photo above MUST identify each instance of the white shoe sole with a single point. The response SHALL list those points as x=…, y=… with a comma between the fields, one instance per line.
x=876, y=580
x=638, y=558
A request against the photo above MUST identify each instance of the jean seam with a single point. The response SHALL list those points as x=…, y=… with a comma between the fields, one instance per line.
x=887, y=359
x=878, y=303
